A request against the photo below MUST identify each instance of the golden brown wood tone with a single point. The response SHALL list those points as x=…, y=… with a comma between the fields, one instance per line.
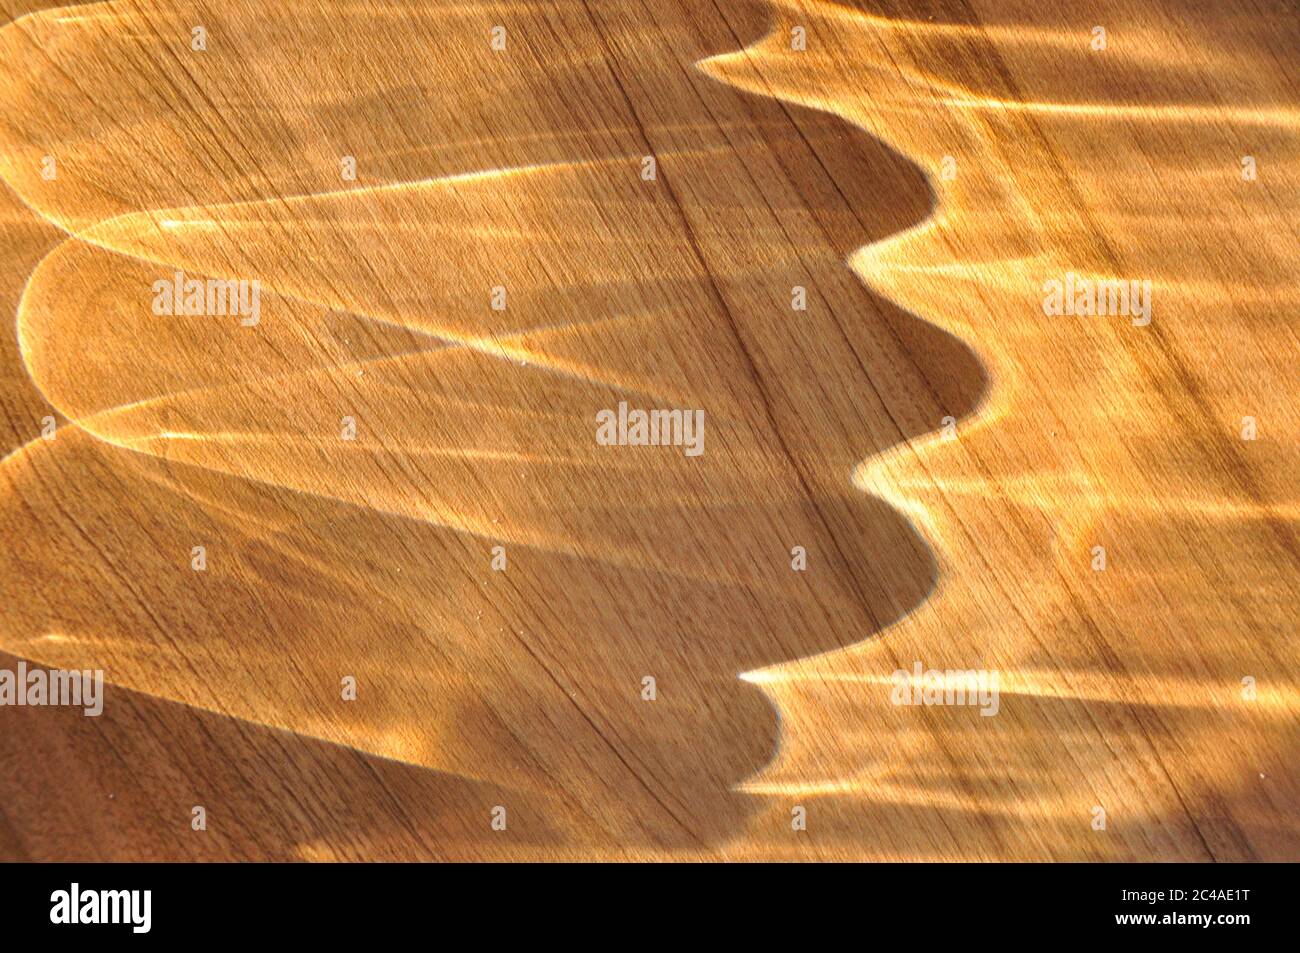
x=921, y=170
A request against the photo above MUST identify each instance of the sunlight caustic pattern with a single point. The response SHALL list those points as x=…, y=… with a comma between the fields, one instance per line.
x=1097, y=432
x=473, y=425
x=921, y=177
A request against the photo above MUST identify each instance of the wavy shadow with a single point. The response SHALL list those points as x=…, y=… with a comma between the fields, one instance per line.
x=544, y=694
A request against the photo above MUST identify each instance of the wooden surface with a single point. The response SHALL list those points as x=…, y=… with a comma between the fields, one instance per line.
x=821, y=168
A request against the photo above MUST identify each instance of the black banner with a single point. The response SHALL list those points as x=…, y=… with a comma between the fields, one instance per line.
x=863, y=904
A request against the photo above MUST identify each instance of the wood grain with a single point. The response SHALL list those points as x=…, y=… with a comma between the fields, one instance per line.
x=920, y=169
